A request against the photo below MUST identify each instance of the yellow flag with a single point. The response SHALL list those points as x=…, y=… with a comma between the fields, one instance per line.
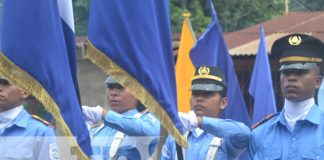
x=184, y=67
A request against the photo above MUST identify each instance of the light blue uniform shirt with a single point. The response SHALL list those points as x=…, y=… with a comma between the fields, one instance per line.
x=235, y=139
x=27, y=138
x=273, y=139
x=146, y=125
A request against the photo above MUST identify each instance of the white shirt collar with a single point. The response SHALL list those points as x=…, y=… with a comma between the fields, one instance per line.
x=197, y=132
x=297, y=111
x=8, y=116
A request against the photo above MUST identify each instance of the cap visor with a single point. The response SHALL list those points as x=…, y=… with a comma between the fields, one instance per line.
x=109, y=80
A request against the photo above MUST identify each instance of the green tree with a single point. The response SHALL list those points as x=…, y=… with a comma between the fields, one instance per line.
x=232, y=14
x=81, y=16
x=306, y=5
x=198, y=19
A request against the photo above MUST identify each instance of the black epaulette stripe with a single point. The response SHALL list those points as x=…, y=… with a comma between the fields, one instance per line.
x=264, y=120
x=43, y=121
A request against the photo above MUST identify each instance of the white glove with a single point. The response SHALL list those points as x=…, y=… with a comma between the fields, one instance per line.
x=188, y=120
x=92, y=115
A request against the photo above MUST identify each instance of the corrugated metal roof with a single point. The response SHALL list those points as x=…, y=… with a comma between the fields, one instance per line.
x=245, y=42
x=250, y=48
x=80, y=39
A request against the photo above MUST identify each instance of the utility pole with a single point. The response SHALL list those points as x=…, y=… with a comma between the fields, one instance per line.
x=286, y=6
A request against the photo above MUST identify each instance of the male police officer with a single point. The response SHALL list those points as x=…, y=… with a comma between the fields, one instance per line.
x=298, y=131
x=22, y=135
x=209, y=137
x=113, y=139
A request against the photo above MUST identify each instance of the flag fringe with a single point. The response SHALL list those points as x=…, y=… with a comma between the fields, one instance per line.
x=19, y=77
x=126, y=80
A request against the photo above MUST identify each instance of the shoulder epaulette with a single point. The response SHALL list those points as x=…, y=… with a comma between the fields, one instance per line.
x=43, y=121
x=264, y=120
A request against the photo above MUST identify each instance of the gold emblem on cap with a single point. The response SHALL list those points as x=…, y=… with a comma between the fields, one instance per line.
x=204, y=74
x=203, y=70
x=294, y=40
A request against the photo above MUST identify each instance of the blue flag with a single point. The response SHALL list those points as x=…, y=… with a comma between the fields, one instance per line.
x=0, y=27
x=261, y=84
x=131, y=41
x=35, y=57
x=66, y=13
x=211, y=50
x=320, y=96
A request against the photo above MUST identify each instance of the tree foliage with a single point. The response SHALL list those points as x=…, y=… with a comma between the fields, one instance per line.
x=306, y=5
x=81, y=15
x=198, y=18
x=232, y=14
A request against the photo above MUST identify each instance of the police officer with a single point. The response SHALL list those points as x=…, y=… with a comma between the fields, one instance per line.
x=298, y=131
x=23, y=136
x=209, y=136
x=118, y=137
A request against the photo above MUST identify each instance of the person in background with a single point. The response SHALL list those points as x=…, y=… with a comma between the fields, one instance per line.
x=124, y=127
x=209, y=136
x=298, y=131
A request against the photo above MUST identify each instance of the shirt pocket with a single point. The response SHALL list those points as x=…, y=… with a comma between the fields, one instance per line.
x=270, y=154
x=315, y=153
x=21, y=154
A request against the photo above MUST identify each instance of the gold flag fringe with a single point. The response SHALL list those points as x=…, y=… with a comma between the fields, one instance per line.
x=19, y=77
x=126, y=80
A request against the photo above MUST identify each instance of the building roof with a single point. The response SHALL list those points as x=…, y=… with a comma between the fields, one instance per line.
x=80, y=39
x=246, y=41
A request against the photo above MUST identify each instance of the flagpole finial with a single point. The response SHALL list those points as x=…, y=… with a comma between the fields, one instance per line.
x=186, y=14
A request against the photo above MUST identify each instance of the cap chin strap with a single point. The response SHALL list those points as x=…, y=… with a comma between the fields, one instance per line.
x=212, y=77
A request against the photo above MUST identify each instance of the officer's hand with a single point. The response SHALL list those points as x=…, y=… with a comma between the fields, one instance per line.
x=92, y=115
x=188, y=120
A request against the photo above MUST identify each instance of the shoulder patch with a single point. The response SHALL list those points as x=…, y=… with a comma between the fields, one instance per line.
x=43, y=121
x=265, y=119
x=53, y=152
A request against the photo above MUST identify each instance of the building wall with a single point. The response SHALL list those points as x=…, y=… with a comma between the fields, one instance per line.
x=244, y=68
x=91, y=83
